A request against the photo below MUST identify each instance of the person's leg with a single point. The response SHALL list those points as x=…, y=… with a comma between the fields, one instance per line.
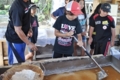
x=105, y=48
x=30, y=55
x=75, y=48
x=92, y=48
x=16, y=53
x=57, y=55
x=84, y=44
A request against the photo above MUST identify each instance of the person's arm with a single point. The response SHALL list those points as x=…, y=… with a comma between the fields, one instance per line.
x=22, y=36
x=55, y=14
x=30, y=33
x=59, y=34
x=17, y=16
x=79, y=37
x=53, y=17
x=91, y=30
x=78, y=32
x=112, y=25
x=80, y=43
x=90, y=35
x=112, y=37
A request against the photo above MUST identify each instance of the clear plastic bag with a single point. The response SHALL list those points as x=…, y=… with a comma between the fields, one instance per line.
x=115, y=52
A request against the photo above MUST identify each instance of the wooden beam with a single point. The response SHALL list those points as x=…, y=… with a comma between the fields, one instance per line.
x=1, y=54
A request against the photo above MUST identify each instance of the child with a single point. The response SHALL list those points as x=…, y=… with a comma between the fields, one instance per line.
x=105, y=30
x=96, y=11
x=65, y=27
x=83, y=23
x=33, y=35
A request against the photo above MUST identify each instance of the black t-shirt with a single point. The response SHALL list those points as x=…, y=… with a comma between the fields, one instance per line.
x=34, y=21
x=19, y=15
x=102, y=26
x=64, y=45
x=90, y=22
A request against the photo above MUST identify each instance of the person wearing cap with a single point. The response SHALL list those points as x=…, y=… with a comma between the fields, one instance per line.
x=60, y=11
x=96, y=11
x=32, y=35
x=66, y=27
x=104, y=26
x=17, y=30
x=83, y=22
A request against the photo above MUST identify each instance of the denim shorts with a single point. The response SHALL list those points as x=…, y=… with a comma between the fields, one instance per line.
x=84, y=39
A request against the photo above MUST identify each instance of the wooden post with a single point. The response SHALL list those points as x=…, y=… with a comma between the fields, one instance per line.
x=1, y=54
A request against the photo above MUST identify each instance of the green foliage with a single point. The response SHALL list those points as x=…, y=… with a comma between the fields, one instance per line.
x=43, y=12
x=36, y=1
x=44, y=9
x=1, y=6
x=3, y=12
x=41, y=18
x=6, y=7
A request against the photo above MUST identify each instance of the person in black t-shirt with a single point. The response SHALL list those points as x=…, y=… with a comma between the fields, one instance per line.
x=17, y=30
x=33, y=36
x=104, y=26
x=96, y=11
x=67, y=26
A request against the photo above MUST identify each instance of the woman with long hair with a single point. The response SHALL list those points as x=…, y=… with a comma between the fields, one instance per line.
x=83, y=22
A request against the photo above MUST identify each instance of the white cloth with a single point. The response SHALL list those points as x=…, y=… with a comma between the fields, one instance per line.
x=45, y=36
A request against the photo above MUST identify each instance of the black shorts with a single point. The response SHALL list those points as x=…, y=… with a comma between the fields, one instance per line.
x=102, y=48
x=59, y=55
x=92, y=46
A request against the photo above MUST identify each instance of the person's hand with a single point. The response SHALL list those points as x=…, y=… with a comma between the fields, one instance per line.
x=70, y=34
x=84, y=33
x=112, y=43
x=32, y=46
x=80, y=43
x=90, y=40
x=30, y=33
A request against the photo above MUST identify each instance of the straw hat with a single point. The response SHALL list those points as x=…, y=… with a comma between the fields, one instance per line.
x=12, y=71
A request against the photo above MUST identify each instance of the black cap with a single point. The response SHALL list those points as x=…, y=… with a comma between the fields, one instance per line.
x=34, y=6
x=106, y=7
